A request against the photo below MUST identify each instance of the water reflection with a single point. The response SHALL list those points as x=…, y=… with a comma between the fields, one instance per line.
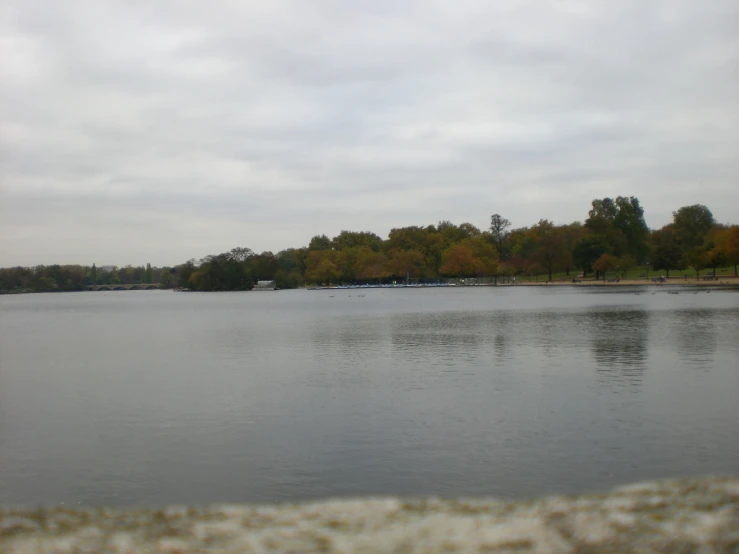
x=298, y=395
x=501, y=338
x=695, y=336
x=441, y=331
x=619, y=341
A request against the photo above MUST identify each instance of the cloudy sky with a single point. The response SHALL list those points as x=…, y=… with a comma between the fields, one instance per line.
x=137, y=131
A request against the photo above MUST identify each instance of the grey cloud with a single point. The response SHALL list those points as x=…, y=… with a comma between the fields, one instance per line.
x=162, y=131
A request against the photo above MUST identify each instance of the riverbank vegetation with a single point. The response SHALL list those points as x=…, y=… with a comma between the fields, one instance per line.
x=614, y=239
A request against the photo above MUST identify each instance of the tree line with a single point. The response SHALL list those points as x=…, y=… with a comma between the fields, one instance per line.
x=614, y=237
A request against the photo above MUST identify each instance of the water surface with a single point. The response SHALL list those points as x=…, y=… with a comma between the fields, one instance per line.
x=157, y=397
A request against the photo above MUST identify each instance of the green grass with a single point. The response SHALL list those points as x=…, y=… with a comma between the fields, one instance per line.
x=634, y=273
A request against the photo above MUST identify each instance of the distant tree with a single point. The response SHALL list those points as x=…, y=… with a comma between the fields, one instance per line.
x=323, y=266
x=292, y=259
x=717, y=258
x=692, y=223
x=621, y=221
x=727, y=242
x=406, y=263
x=697, y=258
x=485, y=254
x=667, y=253
x=506, y=270
x=371, y=265
x=320, y=242
x=433, y=250
x=350, y=239
x=630, y=221
x=470, y=230
x=94, y=274
x=588, y=249
x=459, y=261
x=241, y=254
x=605, y=263
x=551, y=248
x=499, y=226
x=324, y=272
x=625, y=263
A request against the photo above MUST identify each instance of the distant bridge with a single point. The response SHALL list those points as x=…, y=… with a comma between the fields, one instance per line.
x=138, y=286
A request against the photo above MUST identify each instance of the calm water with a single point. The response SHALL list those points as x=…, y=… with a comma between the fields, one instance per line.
x=156, y=397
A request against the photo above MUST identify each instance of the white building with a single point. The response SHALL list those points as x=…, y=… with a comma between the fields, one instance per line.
x=264, y=285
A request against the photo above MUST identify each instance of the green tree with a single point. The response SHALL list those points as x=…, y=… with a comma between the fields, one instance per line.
x=666, y=250
x=629, y=220
x=320, y=242
x=551, y=248
x=588, y=249
x=350, y=239
x=697, y=258
x=692, y=224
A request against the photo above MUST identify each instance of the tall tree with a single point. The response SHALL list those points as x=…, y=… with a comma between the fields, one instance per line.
x=601, y=215
x=666, y=250
x=588, y=249
x=551, y=251
x=499, y=226
x=629, y=219
x=692, y=223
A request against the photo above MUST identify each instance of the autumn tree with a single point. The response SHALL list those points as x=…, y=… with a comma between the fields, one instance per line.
x=406, y=263
x=371, y=265
x=322, y=266
x=727, y=242
x=605, y=263
x=459, y=261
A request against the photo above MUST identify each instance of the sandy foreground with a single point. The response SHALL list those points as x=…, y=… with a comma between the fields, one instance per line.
x=685, y=516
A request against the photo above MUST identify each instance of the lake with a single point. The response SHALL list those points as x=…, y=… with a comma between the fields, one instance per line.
x=154, y=397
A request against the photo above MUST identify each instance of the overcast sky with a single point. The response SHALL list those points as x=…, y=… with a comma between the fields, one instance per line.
x=140, y=131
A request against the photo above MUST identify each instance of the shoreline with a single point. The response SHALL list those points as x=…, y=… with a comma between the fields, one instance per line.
x=722, y=282
x=686, y=515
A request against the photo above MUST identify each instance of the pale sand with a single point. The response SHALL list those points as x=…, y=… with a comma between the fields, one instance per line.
x=686, y=516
